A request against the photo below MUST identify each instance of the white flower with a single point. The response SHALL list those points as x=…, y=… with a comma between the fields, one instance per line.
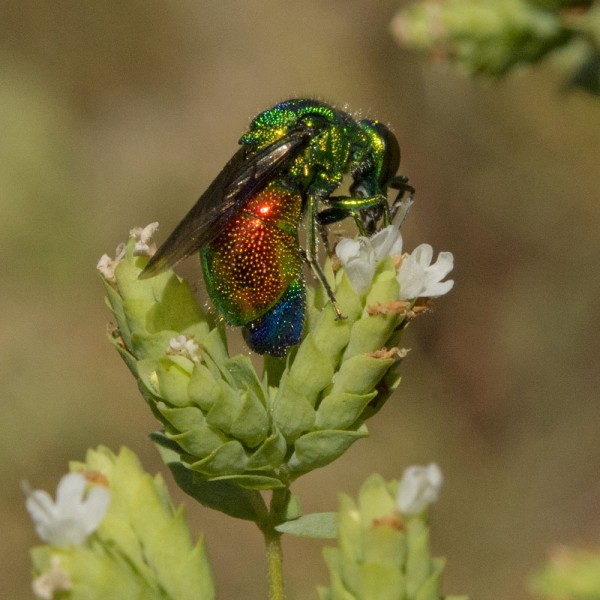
x=54, y=580
x=106, y=265
x=71, y=519
x=419, y=487
x=419, y=278
x=144, y=246
x=184, y=346
x=360, y=257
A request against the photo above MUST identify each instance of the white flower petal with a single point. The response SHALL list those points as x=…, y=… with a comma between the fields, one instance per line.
x=358, y=259
x=418, y=278
x=70, y=519
x=411, y=276
x=438, y=288
x=148, y=231
x=106, y=265
x=418, y=488
x=444, y=264
x=69, y=492
x=184, y=346
x=40, y=506
x=387, y=242
x=423, y=254
x=347, y=249
x=95, y=507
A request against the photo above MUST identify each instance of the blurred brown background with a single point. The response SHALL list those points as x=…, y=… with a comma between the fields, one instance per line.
x=118, y=114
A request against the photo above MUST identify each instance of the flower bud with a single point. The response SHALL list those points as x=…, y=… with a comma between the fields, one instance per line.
x=224, y=422
x=380, y=554
x=125, y=557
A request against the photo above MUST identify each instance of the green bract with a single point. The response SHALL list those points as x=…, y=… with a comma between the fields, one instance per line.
x=226, y=425
x=142, y=548
x=380, y=555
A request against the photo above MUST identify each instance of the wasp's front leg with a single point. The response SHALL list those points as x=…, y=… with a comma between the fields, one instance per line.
x=365, y=211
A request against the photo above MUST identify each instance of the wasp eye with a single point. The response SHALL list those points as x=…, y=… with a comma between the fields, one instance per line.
x=390, y=155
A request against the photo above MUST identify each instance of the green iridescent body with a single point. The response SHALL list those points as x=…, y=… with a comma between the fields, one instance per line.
x=292, y=159
x=337, y=150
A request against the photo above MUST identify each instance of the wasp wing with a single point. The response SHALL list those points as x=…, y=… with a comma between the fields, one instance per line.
x=243, y=176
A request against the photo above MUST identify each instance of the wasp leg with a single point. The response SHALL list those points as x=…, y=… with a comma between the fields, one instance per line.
x=366, y=210
x=328, y=217
x=310, y=255
x=401, y=184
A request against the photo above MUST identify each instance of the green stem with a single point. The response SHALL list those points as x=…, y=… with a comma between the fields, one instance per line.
x=274, y=565
x=277, y=509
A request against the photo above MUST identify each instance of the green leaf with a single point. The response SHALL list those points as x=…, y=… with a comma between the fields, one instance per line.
x=293, y=510
x=192, y=432
x=159, y=438
x=311, y=371
x=244, y=377
x=349, y=301
x=349, y=530
x=203, y=389
x=173, y=376
x=360, y=374
x=319, y=448
x=331, y=335
x=381, y=581
x=292, y=412
x=253, y=482
x=115, y=303
x=314, y=525
x=136, y=312
x=418, y=561
x=385, y=286
x=151, y=345
x=270, y=455
x=375, y=499
x=371, y=333
x=224, y=412
x=224, y=496
x=340, y=410
x=337, y=591
x=228, y=459
x=176, y=307
x=251, y=424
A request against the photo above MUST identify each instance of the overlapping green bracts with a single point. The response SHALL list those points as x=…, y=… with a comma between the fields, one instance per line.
x=222, y=421
x=380, y=553
x=142, y=549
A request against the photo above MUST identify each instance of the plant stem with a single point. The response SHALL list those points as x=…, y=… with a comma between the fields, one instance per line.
x=274, y=565
x=277, y=510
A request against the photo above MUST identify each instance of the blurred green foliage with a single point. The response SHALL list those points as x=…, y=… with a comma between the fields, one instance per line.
x=572, y=574
x=488, y=37
x=115, y=118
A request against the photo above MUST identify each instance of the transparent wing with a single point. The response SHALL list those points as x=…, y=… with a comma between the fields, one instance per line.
x=243, y=176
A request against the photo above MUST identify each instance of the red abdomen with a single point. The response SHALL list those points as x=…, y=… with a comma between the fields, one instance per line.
x=251, y=263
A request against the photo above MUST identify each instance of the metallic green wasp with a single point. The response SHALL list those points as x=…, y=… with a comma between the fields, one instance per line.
x=291, y=160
